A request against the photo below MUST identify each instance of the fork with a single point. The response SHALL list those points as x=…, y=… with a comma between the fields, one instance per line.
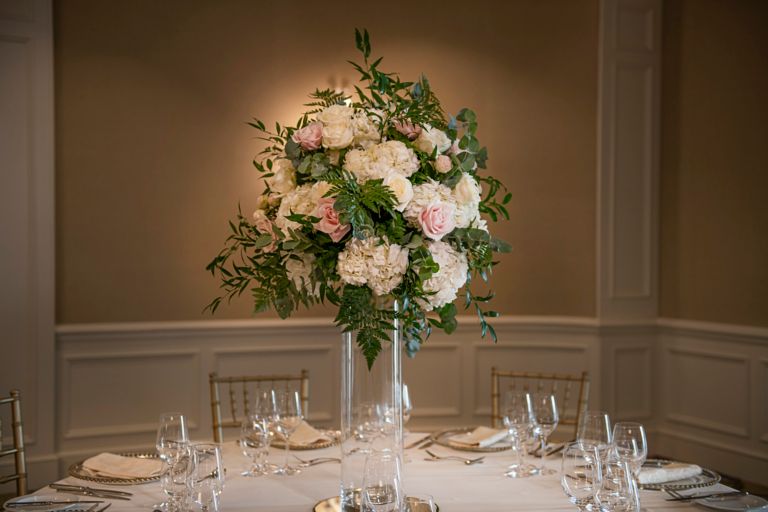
x=313, y=462
x=676, y=496
x=466, y=461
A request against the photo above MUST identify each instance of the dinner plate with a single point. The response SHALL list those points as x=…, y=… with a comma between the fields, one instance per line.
x=741, y=502
x=78, y=471
x=32, y=499
x=443, y=438
x=333, y=434
x=705, y=479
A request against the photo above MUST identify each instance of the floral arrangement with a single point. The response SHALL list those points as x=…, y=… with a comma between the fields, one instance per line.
x=369, y=197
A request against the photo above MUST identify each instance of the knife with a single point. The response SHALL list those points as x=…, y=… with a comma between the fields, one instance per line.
x=704, y=496
x=30, y=504
x=418, y=442
x=105, y=495
x=67, y=487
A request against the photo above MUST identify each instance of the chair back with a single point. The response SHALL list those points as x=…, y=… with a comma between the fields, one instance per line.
x=238, y=392
x=571, y=393
x=20, y=461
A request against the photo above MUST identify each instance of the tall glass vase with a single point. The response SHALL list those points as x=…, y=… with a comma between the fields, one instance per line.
x=371, y=410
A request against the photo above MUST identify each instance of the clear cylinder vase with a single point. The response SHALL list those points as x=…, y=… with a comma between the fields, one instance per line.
x=371, y=410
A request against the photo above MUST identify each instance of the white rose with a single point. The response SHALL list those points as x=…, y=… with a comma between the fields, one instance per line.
x=336, y=114
x=337, y=135
x=467, y=190
x=402, y=188
x=430, y=137
x=283, y=178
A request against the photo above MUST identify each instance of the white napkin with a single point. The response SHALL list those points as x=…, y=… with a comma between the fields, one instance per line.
x=305, y=435
x=668, y=473
x=481, y=437
x=117, y=466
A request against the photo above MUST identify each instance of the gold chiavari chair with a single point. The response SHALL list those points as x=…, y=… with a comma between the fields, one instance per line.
x=20, y=475
x=238, y=390
x=564, y=387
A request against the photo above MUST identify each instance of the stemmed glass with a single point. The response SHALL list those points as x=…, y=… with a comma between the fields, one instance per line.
x=206, y=480
x=630, y=444
x=546, y=416
x=172, y=445
x=581, y=473
x=519, y=419
x=254, y=442
x=382, y=487
x=288, y=416
x=595, y=429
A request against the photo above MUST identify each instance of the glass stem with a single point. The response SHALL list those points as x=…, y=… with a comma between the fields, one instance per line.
x=287, y=451
x=519, y=450
x=543, y=449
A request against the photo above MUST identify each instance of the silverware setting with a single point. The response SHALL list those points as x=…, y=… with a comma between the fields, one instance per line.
x=48, y=503
x=95, y=494
x=676, y=496
x=314, y=462
x=418, y=441
x=82, y=488
x=468, y=462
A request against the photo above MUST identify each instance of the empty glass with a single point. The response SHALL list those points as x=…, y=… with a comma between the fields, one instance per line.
x=288, y=416
x=206, y=480
x=595, y=428
x=630, y=444
x=618, y=490
x=518, y=417
x=254, y=442
x=546, y=416
x=171, y=444
x=581, y=473
x=420, y=503
x=382, y=487
x=175, y=480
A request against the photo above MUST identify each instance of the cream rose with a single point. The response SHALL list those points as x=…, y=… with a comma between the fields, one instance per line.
x=443, y=163
x=337, y=135
x=336, y=114
x=283, y=179
x=467, y=190
x=431, y=138
x=402, y=188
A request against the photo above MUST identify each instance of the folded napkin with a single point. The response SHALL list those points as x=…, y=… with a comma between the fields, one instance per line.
x=305, y=435
x=117, y=466
x=481, y=437
x=668, y=473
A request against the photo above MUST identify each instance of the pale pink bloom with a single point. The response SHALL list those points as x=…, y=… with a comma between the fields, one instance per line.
x=436, y=219
x=265, y=227
x=455, y=149
x=310, y=137
x=408, y=129
x=443, y=163
x=329, y=219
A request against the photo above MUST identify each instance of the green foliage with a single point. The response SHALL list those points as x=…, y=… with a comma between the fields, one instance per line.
x=358, y=313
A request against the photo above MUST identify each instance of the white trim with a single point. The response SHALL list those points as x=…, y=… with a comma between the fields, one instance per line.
x=745, y=333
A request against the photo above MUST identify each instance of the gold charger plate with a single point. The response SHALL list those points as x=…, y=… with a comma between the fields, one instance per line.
x=334, y=505
x=443, y=439
x=78, y=471
x=705, y=479
x=317, y=445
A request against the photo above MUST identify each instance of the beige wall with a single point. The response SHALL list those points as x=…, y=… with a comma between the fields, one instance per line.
x=153, y=154
x=714, y=211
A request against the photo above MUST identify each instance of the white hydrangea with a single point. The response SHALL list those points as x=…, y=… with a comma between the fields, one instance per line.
x=297, y=201
x=424, y=195
x=299, y=271
x=430, y=137
x=365, y=128
x=373, y=262
x=446, y=282
x=283, y=178
x=467, y=196
x=381, y=160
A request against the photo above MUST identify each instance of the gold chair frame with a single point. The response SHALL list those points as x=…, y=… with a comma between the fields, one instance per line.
x=20, y=476
x=232, y=383
x=543, y=382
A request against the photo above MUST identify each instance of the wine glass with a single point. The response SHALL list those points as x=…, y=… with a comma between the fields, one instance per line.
x=595, y=428
x=206, y=479
x=382, y=489
x=581, y=473
x=254, y=442
x=171, y=444
x=518, y=417
x=618, y=490
x=420, y=503
x=546, y=415
x=288, y=416
x=630, y=444
x=407, y=406
x=175, y=480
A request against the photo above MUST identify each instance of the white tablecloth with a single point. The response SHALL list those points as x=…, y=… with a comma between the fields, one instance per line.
x=456, y=487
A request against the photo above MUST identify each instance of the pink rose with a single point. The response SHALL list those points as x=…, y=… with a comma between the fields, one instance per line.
x=408, y=129
x=310, y=137
x=436, y=219
x=443, y=163
x=329, y=219
x=265, y=227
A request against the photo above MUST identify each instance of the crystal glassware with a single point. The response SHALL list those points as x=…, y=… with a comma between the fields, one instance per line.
x=254, y=443
x=630, y=444
x=206, y=480
x=618, y=490
x=420, y=503
x=518, y=417
x=407, y=405
x=287, y=416
x=595, y=428
x=382, y=486
x=546, y=417
x=171, y=444
x=175, y=480
x=581, y=473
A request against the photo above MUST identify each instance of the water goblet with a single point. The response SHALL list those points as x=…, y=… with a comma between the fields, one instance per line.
x=254, y=442
x=595, y=428
x=517, y=414
x=206, y=480
x=171, y=442
x=630, y=444
x=288, y=416
x=546, y=417
x=382, y=486
x=581, y=473
x=175, y=480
